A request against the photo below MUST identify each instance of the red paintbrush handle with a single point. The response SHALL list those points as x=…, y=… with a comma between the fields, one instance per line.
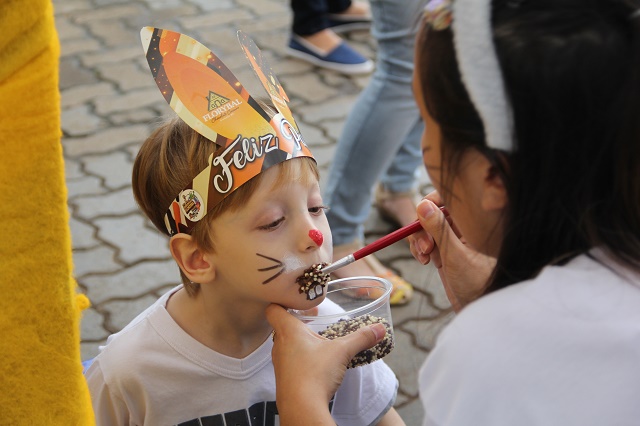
x=387, y=240
x=393, y=237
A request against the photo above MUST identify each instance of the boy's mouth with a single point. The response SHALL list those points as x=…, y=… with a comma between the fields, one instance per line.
x=313, y=280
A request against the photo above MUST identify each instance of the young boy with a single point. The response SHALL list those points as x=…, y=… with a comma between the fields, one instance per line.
x=201, y=355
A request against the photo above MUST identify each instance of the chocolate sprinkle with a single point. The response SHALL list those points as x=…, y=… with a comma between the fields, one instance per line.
x=346, y=326
x=313, y=280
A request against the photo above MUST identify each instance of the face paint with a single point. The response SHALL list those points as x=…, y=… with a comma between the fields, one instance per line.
x=316, y=236
x=292, y=262
x=313, y=280
x=277, y=265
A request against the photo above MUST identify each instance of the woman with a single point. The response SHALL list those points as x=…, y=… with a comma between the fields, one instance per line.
x=533, y=144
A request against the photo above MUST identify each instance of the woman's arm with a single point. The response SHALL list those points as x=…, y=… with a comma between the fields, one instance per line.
x=310, y=368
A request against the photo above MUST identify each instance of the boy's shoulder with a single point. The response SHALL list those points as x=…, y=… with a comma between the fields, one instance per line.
x=124, y=344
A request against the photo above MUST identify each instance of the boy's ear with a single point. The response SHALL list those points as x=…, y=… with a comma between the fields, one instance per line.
x=494, y=193
x=194, y=262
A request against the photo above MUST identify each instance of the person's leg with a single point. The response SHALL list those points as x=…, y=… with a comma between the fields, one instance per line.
x=379, y=124
x=309, y=16
x=396, y=194
x=314, y=40
x=347, y=15
x=401, y=174
x=340, y=6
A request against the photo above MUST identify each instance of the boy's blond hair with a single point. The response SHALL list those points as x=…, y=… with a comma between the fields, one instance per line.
x=170, y=158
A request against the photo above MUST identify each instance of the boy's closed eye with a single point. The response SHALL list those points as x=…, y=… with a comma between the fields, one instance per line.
x=318, y=210
x=315, y=210
x=272, y=225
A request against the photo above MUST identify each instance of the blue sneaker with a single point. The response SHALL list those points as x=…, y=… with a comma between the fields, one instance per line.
x=342, y=59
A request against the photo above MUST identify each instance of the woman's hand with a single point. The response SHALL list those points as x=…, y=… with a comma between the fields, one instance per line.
x=309, y=368
x=464, y=272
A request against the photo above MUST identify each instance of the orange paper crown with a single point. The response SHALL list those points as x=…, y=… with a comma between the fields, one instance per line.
x=209, y=98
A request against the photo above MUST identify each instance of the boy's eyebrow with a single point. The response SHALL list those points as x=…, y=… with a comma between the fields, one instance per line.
x=425, y=149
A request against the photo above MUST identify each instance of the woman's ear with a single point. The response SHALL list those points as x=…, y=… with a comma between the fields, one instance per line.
x=494, y=193
x=194, y=262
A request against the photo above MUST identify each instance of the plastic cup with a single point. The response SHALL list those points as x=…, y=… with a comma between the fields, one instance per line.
x=352, y=303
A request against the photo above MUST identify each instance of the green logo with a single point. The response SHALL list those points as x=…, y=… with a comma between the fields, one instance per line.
x=215, y=100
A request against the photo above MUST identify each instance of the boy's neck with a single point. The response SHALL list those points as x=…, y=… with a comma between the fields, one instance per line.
x=221, y=326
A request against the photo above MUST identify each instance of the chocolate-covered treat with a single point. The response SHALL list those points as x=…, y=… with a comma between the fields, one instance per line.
x=313, y=280
x=346, y=326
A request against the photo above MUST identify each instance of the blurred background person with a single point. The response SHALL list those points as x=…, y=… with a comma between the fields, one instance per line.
x=380, y=142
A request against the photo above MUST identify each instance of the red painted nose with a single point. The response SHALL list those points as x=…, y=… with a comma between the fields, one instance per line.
x=316, y=236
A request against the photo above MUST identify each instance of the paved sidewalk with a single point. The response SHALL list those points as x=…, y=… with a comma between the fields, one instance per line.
x=109, y=105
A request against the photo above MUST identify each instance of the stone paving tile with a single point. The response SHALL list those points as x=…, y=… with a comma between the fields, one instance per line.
x=110, y=55
x=109, y=106
x=131, y=282
x=121, y=312
x=126, y=76
x=82, y=236
x=71, y=74
x=109, y=167
x=80, y=121
x=92, y=326
x=105, y=140
x=130, y=100
x=86, y=185
x=80, y=45
x=78, y=95
x=67, y=30
x=99, y=259
x=119, y=202
x=134, y=240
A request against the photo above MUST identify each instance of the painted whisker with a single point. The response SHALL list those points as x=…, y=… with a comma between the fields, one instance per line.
x=273, y=277
x=270, y=268
x=278, y=264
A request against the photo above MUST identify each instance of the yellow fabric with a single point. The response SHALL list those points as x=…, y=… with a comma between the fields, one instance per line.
x=40, y=371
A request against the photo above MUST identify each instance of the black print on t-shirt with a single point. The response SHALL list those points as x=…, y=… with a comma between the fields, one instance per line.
x=260, y=414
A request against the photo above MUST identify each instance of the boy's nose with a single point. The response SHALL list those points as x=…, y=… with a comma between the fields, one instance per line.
x=316, y=236
x=312, y=241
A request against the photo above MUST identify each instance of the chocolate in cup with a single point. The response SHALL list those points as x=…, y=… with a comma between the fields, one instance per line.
x=352, y=303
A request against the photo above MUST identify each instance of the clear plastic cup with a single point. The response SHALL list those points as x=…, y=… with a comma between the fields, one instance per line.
x=352, y=303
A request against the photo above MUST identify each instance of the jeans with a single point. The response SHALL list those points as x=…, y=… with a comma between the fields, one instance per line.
x=381, y=137
x=310, y=16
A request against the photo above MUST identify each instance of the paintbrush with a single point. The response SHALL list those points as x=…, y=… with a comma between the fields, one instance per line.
x=377, y=245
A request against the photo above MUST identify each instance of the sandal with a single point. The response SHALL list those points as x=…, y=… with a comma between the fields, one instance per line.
x=383, y=196
x=402, y=291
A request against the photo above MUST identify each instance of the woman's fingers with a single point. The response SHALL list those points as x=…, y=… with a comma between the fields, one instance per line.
x=436, y=225
x=463, y=271
x=283, y=322
x=290, y=328
x=359, y=340
x=434, y=196
x=421, y=245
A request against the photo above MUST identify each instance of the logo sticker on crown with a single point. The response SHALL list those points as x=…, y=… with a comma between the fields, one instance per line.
x=190, y=205
x=209, y=98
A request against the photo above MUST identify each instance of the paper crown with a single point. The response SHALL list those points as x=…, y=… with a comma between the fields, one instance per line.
x=209, y=98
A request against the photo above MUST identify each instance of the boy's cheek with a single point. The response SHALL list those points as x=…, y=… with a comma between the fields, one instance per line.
x=303, y=304
x=328, y=242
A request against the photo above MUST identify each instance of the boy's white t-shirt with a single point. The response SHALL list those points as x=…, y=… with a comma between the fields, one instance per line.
x=561, y=349
x=154, y=373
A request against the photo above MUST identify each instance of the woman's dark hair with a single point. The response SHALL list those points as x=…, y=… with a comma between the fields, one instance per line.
x=571, y=70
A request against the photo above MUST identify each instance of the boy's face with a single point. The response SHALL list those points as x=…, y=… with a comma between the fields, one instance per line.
x=264, y=246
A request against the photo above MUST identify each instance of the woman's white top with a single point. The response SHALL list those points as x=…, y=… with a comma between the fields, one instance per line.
x=561, y=349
